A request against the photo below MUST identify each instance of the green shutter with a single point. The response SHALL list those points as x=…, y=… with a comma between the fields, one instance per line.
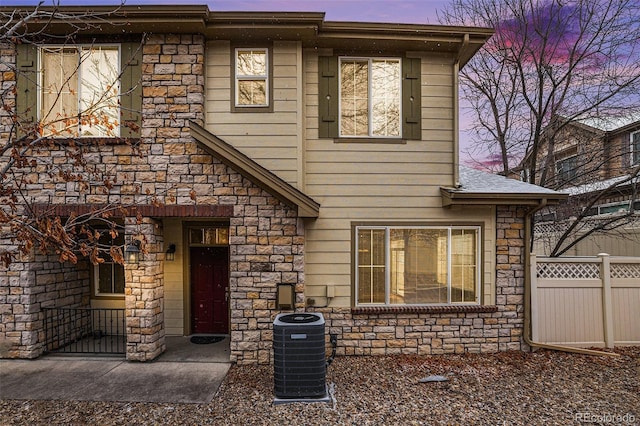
x=27, y=85
x=411, y=99
x=131, y=90
x=328, y=97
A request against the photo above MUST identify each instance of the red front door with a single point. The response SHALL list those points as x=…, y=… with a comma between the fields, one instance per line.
x=209, y=289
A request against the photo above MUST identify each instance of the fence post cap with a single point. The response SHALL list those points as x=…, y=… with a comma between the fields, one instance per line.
x=603, y=254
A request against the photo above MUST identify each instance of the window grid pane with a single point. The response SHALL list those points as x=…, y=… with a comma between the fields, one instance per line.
x=385, y=94
x=354, y=99
x=371, y=266
x=80, y=91
x=99, y=93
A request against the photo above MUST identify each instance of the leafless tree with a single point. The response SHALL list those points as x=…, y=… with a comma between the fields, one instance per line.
x=25, y=224
x=549, y=64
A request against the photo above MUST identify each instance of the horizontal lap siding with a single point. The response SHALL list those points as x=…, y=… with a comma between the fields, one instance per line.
x=272, y=139
x=381, y=182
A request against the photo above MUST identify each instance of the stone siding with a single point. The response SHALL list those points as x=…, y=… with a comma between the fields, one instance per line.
x=28, y=287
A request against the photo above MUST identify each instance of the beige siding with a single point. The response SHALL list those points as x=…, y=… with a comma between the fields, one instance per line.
x=377, y=182
x=174, y=281
x=273, y=139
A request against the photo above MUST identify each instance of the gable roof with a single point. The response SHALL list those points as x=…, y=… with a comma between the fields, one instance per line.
x=482, y=188
x=262, y=177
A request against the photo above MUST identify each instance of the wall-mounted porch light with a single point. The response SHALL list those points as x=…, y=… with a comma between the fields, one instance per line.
x=170, y=254
x=132, y=251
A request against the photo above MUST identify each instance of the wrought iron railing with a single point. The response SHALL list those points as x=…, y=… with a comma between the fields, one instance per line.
x=85, y=330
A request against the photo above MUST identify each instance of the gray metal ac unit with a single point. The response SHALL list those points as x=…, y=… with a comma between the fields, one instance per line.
x=300, y=366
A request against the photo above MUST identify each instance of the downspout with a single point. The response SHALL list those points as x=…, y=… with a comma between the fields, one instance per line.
x=456, y=112
x=527, y=295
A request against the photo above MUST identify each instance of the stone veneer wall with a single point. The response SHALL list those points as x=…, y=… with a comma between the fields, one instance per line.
x=440, y=331
x=144, y=293
x=25, y=289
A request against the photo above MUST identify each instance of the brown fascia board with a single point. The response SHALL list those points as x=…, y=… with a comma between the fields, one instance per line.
x=451, y=197
x=259, y=175
x=308, y=27
x=116, y=19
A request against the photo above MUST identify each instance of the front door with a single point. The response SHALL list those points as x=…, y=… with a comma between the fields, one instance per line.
x=209, y=290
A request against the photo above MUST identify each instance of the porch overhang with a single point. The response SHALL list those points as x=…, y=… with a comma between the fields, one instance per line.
x=259, y=175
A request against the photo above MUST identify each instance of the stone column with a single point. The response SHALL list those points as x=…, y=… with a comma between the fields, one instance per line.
x=144, y=292
x=510, y=258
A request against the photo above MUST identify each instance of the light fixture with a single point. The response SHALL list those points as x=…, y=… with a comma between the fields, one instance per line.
x=170, y=254
x=132, y=252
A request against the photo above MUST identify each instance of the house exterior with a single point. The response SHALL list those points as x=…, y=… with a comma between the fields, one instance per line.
x=586, y=157
x=272, y=162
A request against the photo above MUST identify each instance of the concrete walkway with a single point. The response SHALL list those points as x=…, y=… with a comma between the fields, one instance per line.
x=176, y=379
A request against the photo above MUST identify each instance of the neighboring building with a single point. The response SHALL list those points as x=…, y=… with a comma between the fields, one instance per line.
x=584, y=158
x=290, y=155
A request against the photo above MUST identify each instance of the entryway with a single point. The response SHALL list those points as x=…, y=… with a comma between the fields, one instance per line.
x=209, y=290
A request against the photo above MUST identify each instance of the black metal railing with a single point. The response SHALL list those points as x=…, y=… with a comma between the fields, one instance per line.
x=85, y=330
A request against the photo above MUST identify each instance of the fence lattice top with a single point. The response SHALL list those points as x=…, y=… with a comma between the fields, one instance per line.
x=625, y=270
x=569, y=270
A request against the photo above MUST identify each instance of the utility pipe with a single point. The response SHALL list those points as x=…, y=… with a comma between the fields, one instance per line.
x=527, y=295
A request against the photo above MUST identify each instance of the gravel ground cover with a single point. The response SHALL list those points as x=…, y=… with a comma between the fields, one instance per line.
x=513, y=388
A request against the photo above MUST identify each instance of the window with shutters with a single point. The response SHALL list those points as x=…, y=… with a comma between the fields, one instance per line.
x=370, y=103
x=369, y=98
x=80, y=90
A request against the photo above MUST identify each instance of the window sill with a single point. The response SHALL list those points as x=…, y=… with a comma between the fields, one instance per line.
x=449, y=309
x=391, y=141
x=94, y=140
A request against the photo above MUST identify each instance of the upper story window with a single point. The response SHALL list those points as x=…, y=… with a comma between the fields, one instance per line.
x=91, y=90
x=417, y=265
x=370, y=97
x=251, y=77
x=635, y=148
x=79, y=91
x=567, y=166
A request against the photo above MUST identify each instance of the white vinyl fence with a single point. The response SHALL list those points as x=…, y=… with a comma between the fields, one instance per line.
x=586, y=301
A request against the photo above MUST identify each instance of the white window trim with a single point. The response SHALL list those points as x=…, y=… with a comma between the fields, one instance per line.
x=387, y=303
x=370, y=103
x=237, y=78
x=634, y=158
x=40, y=77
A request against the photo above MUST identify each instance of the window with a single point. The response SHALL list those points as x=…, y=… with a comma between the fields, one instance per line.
x=80, y=90
x=251, y=78
x=612, y=208
x=108, y=277
x=370, y=97
x=567, y=166
x=417, y=266
x=635, y=148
